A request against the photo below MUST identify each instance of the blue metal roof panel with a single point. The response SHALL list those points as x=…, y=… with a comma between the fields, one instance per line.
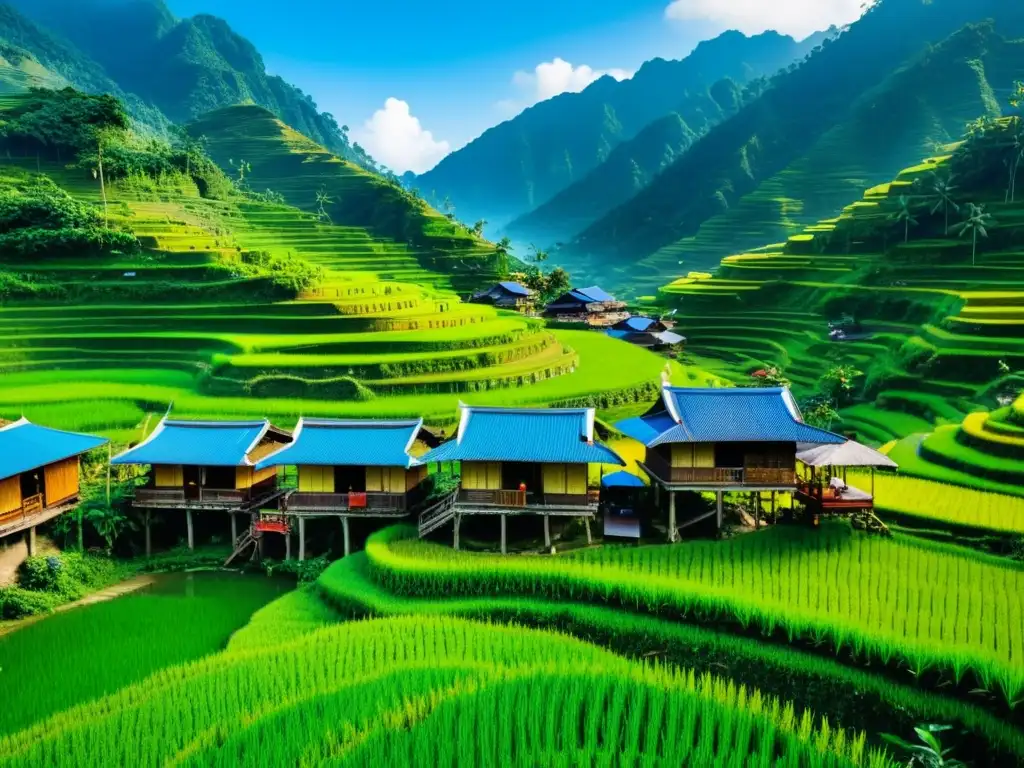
x=337, y=443
x=621, y=480
x=516, y=288
x=582, y=297
x=735, y=415
x=645, y=429
x=201, y=443
x=530, y=435
x=594, y=293
x=640, y=324
x=25, y=446
x=619, y=334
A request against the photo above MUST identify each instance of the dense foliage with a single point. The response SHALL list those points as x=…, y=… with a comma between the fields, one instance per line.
x=40, y=220
x=60, y=124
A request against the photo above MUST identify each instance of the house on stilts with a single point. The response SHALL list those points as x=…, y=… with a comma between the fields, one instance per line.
x=723, y=440
x=39, y=475
x=207, y=466
x=350, y=469
x=520, y=461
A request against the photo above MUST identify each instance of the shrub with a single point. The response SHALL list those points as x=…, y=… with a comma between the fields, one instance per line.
x=17, y=602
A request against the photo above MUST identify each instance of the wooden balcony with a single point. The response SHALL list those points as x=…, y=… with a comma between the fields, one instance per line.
x=524, y=502
x=230, y=499
x=725, y=477
x=33, y=511
x=370, y=504
x=827, y=500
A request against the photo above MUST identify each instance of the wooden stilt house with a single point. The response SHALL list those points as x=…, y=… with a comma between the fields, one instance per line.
x=39, y=474
x=350, y=469
x=516, y=461
x=722, y=440
x=207, y=465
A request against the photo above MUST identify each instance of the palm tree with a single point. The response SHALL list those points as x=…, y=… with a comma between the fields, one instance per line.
x=478, y=228
x=449, y=207
x=1016, y=156
x=942, y=193
x=322, y=199
x=906, y=216
x=501, y=250
x=539, y=255
x=977, y=223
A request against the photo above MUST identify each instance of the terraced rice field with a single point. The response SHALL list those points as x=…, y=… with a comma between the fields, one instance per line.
x=380, y=334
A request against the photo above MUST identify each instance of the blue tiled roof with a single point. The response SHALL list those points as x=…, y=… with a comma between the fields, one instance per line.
x=621, y=480
x=202, y=443
x=516, y=288
x=725, y=415
x=595, y=294
x=329, y=442
x=545, y=435
x=25, y=446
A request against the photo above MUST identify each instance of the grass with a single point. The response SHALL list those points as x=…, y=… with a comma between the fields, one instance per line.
x=86, y=653
x=948, y=615
x=395, y=690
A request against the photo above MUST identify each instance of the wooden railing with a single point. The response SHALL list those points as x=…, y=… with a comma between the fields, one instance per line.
x=513, y=499
x=145, y=496
x=719, y=475
x=312, y=502
x=33, y=505
x=523, y=499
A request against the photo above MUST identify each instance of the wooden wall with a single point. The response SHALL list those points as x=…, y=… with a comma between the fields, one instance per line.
x=247, y=477
x=385, y=479
x=168, y=476
x=61, y=480
x=415, y=476
x=481, y=476
x=10, y=494
x=316, y=479
x=565, y=479
x=689, y=455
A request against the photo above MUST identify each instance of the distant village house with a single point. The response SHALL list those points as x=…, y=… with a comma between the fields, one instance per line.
x=506, y=295
x=646, y=332
x=590, y=306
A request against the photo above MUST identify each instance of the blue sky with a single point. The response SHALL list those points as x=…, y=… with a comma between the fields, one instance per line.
x=416, y=80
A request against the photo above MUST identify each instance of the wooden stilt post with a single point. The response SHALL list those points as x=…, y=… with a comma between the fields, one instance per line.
x=719, y=504
x=260, y=545
x=757, y=513
x=504, y=543
x=590, y=537
x=672, y=532
x=234, y=529
x=149, y=537
x=657, y=494
x=191, y=531
x=872, y=485
x=773, y=506
x=302, y=539
x=288, y=546
x=458, y=522
x=348, y=540
x=547, y=532
x=30, y=541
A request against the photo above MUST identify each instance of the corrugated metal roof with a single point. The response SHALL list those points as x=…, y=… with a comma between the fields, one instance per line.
x=640, y=324
x=336, y=443
x=200, y=443
x=545, y=435
x=25, y=446
x=726, y=415
x=670, y=338
x=516, y=288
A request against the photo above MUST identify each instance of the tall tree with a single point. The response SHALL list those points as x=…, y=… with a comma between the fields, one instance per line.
x=977, y=223
x=942, y=193
x=905, y=215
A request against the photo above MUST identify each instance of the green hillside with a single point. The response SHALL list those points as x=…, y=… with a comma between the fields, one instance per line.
x=938, y=346
x=245, y=305
x=522, y=163
x=879, y=94
x=164, y=67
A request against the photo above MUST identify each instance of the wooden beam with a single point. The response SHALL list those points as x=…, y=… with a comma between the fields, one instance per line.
x=673, y=534
x=30, y=541
x=504, y=543
x=719, y=503
x=586, y=523
x=458, y=522
x=191, y=530
x=234, y=529
x=302, y=539
x=149, y=537
x=757, y=512
x=345, y=530
x=547, y=532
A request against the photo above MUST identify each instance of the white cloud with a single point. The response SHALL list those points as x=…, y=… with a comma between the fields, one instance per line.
x=799, y=18
x=395, y=137
x=551, y=78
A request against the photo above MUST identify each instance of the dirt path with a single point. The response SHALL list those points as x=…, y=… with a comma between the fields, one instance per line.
x=14, y=554
x=133, y=584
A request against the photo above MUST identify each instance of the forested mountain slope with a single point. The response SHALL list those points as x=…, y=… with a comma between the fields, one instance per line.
x=522, y=163
x=842, y=115
x=183, y=67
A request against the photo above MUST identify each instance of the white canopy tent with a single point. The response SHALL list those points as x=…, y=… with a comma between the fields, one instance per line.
x=848, y=454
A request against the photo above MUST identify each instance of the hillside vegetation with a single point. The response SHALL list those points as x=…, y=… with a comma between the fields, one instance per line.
x=523, y=162
x=929, y=272
x=838, y=122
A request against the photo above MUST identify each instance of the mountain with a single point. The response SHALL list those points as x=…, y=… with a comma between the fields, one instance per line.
x=850, y=111
x=630, y=167
x=522, y=163
x=182, y=67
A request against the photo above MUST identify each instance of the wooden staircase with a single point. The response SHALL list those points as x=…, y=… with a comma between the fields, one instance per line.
x=437, y=515
x=248, y=539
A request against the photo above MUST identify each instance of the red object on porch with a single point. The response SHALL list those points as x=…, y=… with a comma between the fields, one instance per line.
x=276, y=524
x=356, y=500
